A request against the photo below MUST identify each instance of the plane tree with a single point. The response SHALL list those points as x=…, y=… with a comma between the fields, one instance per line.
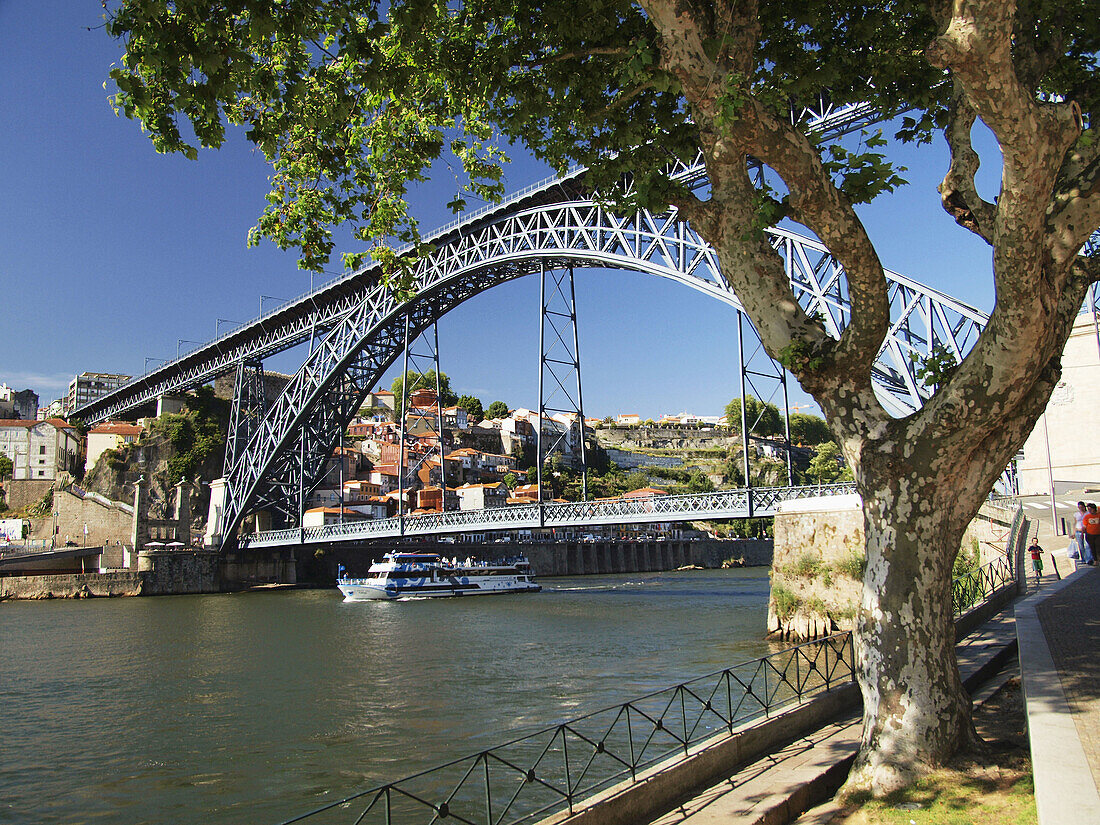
x=350, y=100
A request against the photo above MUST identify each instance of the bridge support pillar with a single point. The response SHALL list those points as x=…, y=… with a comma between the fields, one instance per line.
x=213, y=535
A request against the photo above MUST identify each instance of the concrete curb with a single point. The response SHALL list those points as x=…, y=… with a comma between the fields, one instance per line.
x=1065, y=791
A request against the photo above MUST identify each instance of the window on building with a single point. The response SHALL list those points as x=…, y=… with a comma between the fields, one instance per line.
x=42, y=450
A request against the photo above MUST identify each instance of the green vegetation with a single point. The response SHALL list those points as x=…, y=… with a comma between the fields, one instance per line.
x=472, y=406
x=786, y=601
x=809, y=429
x=746, y=528
x=807, y=565
x=6, y=468
x=825, y=466
x=425, y=381
x=498, y=409
x=966, y=562
x=852, y=565
x=196, y=435
x=763, y=419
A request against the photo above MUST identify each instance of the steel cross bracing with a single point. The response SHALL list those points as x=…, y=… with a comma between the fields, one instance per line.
x=559, y=375
x=294, y=321
x=740, y=503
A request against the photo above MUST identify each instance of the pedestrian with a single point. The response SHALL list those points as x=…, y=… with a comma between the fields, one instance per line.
x=1083, y=550
x=1092, y=533
x=1036, y=559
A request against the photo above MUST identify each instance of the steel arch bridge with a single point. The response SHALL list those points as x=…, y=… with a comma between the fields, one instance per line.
x=278, y=455
x=286, y=453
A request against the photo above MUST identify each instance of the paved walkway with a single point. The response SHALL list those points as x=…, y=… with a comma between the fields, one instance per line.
x=1059, y=633
x=783, y=784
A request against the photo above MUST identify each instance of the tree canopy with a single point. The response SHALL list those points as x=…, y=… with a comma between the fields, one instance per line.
x=809, y=429
x=472, y=406
x=763, y=418
x=498, y=409
x=351, y=100
x=424, y=381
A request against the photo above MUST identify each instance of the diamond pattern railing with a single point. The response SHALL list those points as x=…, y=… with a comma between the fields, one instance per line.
x=741, y=503
x=554, y=770
x=976, y=587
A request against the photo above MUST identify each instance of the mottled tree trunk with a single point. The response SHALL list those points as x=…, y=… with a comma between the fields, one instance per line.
x=916, y=712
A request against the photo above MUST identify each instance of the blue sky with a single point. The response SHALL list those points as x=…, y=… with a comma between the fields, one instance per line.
x=111, y=254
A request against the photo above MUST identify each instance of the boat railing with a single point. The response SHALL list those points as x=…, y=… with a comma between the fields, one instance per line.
x=553, y=770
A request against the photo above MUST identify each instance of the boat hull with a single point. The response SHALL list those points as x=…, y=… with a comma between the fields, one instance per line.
x=358, y=591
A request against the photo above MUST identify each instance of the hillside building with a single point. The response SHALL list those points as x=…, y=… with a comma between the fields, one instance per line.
x=39, y=450
x=1061, y=450
x=109, y=435
x=90, y=386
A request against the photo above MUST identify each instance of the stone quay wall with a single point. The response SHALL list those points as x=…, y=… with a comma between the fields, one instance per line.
x=560, y=558
x=71, y=586
x=817, y=574
x=162, y=573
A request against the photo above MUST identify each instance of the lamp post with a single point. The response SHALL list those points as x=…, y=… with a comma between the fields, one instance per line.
x=183, y=341
x=270, y=298
x=218, y=325
x=53, y=535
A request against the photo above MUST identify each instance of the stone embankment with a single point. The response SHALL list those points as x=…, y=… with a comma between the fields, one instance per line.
x=665, y=438
x=817, y=572
x=573, y=558
x=162, y=573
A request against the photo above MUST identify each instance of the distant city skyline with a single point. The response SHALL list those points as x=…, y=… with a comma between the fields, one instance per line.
x=111, y=254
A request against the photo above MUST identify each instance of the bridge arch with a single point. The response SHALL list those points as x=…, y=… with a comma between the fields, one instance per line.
x=286, y=455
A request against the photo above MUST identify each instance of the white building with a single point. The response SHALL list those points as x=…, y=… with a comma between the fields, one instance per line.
x=39, y=450
x=482, y=496
x=1062, y=447
x=110, y=435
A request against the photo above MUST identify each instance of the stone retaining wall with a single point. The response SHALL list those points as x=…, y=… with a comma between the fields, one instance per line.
x=23, y=491
x=560, y=558
x=71, y=586
x=162, y=573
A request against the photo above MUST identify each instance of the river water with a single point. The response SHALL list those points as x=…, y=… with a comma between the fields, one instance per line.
x=255, y=707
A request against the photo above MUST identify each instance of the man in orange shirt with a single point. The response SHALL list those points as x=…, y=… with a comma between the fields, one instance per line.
x=1092, y=533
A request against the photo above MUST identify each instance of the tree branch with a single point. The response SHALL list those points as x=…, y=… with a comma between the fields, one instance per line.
x=958, y=193
x=976, y=46
x=818, y=203
x=697, y=212
x=1075, y=213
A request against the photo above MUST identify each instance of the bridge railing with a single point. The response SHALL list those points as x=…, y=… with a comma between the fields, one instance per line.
x=760, y=501
x=979, y=585
x=555, y=769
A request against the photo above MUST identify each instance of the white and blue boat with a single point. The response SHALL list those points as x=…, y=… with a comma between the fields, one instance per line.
x=421, y=575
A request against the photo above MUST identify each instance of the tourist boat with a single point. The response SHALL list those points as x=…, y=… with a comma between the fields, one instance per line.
x=419, y=575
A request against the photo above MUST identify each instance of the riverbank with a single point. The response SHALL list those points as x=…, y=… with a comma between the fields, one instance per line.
x=164, y=573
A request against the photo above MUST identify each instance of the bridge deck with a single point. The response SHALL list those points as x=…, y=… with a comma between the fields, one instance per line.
x=724, y=504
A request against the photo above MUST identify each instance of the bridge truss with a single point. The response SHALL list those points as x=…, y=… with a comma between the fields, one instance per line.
x=282, y=456
x=320, y=400
x=565, y=516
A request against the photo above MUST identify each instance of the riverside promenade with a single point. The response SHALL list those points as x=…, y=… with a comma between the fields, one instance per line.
x=1055, y=630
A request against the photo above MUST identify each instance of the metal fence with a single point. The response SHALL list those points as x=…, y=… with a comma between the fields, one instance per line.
x=979, y=585
x=554, y=769
x=550, y=771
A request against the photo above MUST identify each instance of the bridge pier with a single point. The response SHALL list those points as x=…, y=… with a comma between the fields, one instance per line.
x=213, y=535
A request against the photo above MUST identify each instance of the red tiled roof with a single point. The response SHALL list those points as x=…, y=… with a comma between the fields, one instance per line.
x=116, y=428
x=26, y=422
